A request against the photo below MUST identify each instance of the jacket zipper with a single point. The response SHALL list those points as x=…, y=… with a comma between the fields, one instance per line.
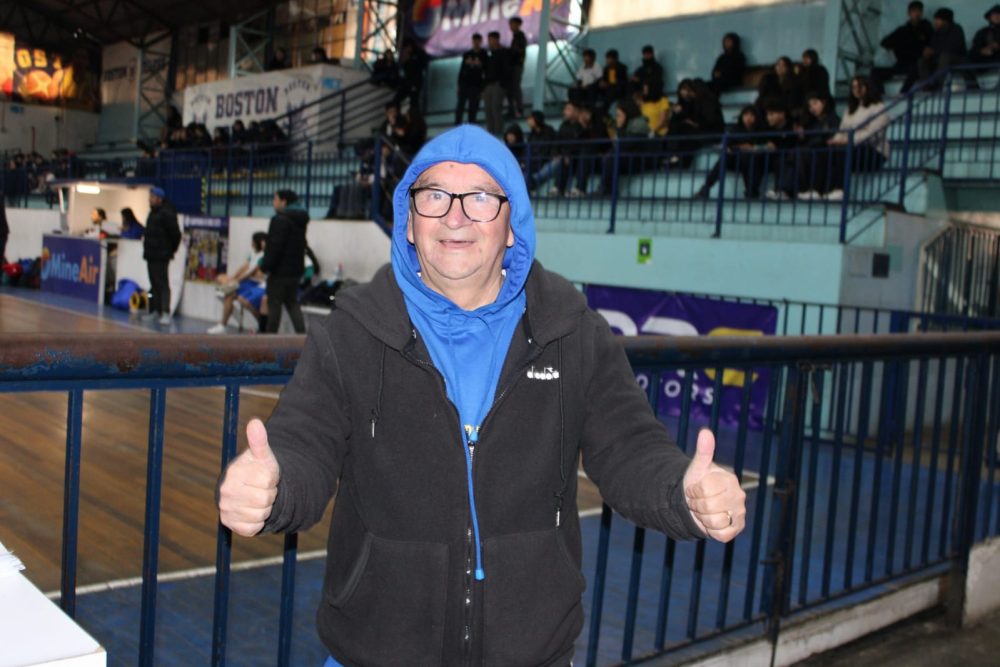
x=469, y=546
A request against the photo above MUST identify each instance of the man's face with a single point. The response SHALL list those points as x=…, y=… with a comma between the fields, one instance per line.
x=569, y=112
x=610, y=61
x=455, y=252
x=686, y=93
x=154, y=201
x=95, y=217
x=532, y=124
x=278, y=202
x=939, y=24
x=477, y=43
x=749, y=119
x=916, y=15
x=775, y=118
x=514, y=25
x=588, y=60
x=995, y=18
x=494, y=43
x=647, y=56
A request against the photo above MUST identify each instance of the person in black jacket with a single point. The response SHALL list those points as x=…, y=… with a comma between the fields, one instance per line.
x=822, y=123
x=614, y=82
x=163, y=237
x=470, y=80
x=695, y=117
x=907, y=43
x=729, y=66
x=447, y=404
x=780, y=83
x=518, y=52
x=649, y=72
x=813, y=76
x=946, y=48
x=496, y=83
x=412, y=64
x=741, y=143
x=284, y=260
x=986, y=42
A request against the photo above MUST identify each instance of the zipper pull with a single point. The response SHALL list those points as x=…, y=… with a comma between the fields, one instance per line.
x=373, y=420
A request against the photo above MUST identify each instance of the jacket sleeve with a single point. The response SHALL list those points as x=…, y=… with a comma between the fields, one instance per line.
x=173, y=230
x=308, y=433
x=626, y=449
x=277, y=237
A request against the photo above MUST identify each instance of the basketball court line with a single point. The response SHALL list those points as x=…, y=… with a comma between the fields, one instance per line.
x=63, y=309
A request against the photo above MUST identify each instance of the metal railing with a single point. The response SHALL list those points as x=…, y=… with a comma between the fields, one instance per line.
x=880, y=497
x=961, y=272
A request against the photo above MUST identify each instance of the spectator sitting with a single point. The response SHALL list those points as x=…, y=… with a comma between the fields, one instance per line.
x=871, y=145
x=513, y=138
x=780, y=156
x=946, y=48
x=410, y=132
x=821, y=125
x=594, y=132
x=986, y=42
x=649, y=72
x=697, y=112
x=540, y=137
x=278, y=61
x=614, y=79
x=239, y=133
x=97, y=220
x=780, y=83
x=131, y=227
x=656, y=108
x=557, y=165
x=629, y=124
x=588, y=77
x=744, y=138
x=246, y=285
x=907, y=43
x=729, y=66
x=812, y=75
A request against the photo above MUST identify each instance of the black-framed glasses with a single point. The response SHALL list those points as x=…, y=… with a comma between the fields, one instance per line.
x=477, y=206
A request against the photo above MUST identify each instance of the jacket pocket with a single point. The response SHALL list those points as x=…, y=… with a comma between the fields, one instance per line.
x=532, y=606
x=390, y=608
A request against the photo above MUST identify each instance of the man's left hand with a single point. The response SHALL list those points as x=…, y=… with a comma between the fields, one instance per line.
x=714, y=496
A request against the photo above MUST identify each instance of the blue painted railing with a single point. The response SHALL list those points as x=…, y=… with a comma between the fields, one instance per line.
x=900, y=483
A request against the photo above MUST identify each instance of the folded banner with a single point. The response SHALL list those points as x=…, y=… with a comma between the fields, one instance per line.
x=634, y=312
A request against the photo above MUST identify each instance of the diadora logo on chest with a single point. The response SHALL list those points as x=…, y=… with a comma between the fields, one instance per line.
x=547, y=373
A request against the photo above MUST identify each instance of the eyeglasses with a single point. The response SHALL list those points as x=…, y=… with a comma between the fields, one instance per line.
x=477, y=206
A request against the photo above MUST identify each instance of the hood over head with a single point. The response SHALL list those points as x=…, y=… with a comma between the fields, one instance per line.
x=470, y=145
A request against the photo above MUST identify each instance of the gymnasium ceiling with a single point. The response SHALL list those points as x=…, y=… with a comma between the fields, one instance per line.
x=95, y=23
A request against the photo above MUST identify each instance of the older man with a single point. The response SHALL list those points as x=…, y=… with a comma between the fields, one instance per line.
x=447, y=403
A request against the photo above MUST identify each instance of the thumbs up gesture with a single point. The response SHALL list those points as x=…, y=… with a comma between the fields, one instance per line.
x=250, y=485
x=714, y=496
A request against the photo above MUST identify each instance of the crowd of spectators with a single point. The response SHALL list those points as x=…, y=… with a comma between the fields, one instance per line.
x=31, y=173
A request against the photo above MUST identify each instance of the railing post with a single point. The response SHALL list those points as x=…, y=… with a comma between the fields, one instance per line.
x=309, y=160
x=250, y=160
x=71, y=500
x=151, y=542
x=224, y=537
x=721, y=199
x=844, y=205
x=229, y=177
x=944, y=123
x=287, y=599
x=775, y=589
x=904, y=171
x=615, y=165
x=377, y=181
x=976, y=391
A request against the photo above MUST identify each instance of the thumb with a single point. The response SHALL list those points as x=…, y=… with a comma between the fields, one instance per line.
x=701, y=464
x=260, y=450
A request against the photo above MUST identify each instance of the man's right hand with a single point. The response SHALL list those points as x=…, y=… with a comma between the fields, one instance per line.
x=251, y=484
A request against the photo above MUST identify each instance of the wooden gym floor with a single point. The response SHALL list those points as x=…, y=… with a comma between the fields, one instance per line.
x=112, y=500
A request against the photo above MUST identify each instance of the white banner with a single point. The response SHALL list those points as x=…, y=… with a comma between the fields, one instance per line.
x=120, y=64
x=263, y=96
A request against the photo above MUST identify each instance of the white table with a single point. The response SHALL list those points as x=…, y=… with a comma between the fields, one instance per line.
x=35, y=631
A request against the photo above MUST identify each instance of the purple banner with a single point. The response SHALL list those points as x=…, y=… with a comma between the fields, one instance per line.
x=633, y=312
x=72, y=266
x=445, y=27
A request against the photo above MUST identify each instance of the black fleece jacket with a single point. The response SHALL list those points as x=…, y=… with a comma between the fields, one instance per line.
x=163, y=234
x=285, y=250
x=366, y=415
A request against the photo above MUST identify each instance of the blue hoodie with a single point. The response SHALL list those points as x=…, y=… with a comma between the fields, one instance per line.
x=456, y=338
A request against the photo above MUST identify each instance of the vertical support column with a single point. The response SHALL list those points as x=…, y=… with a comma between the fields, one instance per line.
x=359, y=34
x=542, y=63
x=224, y=538
x=234, y=36
x=830, y=52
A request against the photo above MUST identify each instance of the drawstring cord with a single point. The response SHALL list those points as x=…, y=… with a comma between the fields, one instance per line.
x=562, y=440
x=377, y=410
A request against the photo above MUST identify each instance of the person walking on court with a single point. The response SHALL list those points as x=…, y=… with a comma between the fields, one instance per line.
x=160, y=243
x=447, y=403
x=284, y=260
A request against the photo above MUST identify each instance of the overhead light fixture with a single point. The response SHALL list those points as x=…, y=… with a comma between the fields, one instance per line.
x=86, y=189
